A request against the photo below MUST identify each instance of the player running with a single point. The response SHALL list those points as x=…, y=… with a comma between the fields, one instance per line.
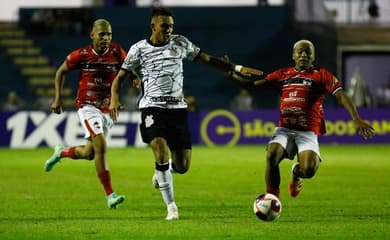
x=158, y=61
x=99, y=64
x=302, y=89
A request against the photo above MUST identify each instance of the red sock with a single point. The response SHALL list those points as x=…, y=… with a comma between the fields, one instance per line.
x=69, y=152
x=274, y=191
x=105, y=179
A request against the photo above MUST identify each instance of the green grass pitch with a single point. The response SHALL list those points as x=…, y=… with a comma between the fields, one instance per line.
x=349, y=198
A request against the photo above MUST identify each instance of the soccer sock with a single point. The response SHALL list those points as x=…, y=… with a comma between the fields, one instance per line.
x=69, y=152
x=105, y=180
x=274, y=191
x=165, y=182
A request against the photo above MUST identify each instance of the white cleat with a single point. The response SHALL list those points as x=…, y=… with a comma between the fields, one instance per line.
x=173, y=212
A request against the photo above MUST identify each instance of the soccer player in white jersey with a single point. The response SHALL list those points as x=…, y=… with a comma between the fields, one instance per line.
x=158, y=62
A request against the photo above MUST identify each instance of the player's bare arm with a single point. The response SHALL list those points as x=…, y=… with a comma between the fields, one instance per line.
x=246, y=83
x=226, y=66
x=56, y=106
x=362, y=127
x=115, y=104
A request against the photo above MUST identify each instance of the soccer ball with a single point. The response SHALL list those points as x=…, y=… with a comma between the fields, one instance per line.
x=267, y=207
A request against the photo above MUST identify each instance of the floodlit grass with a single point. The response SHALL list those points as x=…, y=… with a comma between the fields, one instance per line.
x=349, y=197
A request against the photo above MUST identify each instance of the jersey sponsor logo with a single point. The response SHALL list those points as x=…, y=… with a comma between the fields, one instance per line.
x=294, y=99
x=100, y=66
x=168, y=99
x=299, y=80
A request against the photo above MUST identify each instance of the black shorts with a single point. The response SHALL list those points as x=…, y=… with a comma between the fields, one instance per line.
x=170, y=124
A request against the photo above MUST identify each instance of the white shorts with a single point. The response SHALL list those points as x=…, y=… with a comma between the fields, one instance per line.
x=305, y=140
x=94, y=121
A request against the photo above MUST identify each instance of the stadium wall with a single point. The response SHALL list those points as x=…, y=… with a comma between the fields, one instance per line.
x=260, y=37
x=31, y=129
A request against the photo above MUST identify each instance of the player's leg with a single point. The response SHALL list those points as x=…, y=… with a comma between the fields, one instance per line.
x=275, y=152
x=306, y=167
x=181, y=160
x=79, y=152
x=179, y=141
x=74, y=152
x=164, y=176
x=153, y=131
x=103, y=172
x=308, y=161
x=96, y=125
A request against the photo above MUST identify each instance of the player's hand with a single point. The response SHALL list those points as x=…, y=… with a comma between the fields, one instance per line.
x=364, y=129
x=247, y=71
x=137, y=83
x=114, y=108
x=56, y=106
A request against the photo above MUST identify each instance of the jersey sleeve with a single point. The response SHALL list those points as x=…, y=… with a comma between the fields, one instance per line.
x=191, y=50
x=132, y=59
x=73, y=59
x=273, y=78
x=332, y=84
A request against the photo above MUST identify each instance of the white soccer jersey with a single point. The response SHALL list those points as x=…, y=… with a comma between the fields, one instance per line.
x=161, y=70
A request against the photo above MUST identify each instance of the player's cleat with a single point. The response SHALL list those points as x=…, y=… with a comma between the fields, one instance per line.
x=173, y=212
x=54, y=159
x=113, y=200
x=295, y=185
x=154, y=181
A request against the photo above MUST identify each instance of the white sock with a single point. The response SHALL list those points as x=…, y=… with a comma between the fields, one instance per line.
x=172, y=206
x=165, y=182
x=170, y=166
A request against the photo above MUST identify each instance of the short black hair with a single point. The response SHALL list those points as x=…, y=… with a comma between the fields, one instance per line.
x=160, y=11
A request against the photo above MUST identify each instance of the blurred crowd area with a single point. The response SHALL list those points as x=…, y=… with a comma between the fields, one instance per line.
x=59, y=21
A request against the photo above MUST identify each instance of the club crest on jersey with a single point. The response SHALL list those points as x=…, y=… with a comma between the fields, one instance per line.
x=173, y=51
x=149, y=121
x=97, y=125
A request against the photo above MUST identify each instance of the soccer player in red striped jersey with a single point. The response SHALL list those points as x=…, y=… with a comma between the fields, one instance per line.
x=302, y=89
x=98, y=64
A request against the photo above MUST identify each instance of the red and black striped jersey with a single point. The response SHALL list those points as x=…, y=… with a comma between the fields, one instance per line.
x=302, y=94
x=97, y=72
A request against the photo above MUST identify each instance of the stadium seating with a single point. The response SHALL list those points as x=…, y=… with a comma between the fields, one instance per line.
x=259, y=37
x=28, y=71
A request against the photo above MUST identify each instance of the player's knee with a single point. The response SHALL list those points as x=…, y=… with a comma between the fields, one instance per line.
x=91, y=156
x=309, y=172
x=87, y=154
x=180, y=168
x=274, y=157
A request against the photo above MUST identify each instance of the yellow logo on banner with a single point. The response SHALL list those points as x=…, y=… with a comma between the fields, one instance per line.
x=251, y=129
x=235, y=129
x=231, y=130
